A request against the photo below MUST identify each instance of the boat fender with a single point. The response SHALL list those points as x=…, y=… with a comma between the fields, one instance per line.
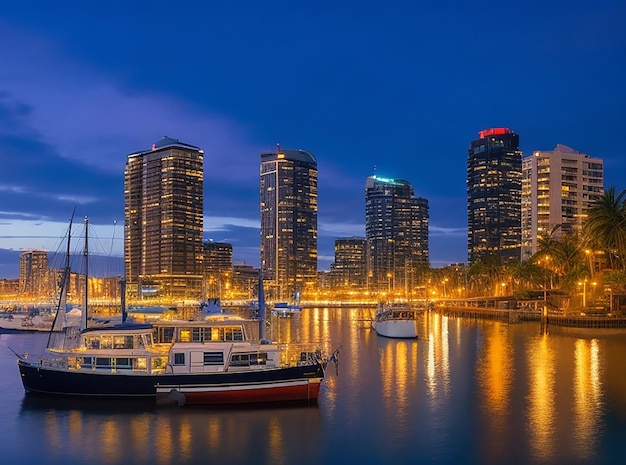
x=177, y=397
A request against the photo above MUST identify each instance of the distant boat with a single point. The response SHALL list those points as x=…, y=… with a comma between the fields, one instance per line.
x=395, y=321
x=285, y=309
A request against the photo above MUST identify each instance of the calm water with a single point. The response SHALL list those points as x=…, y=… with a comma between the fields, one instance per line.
x=473, y=392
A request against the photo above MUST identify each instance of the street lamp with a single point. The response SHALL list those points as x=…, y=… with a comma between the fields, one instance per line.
x=583, y=283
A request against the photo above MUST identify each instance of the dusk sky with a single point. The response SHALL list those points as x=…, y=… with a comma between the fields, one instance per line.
x=399, y=88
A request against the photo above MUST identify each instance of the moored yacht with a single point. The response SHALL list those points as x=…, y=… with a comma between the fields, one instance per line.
x=396, y=321
x=182, y=362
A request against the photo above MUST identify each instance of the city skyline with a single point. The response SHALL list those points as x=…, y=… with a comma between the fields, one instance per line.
x=399, y=91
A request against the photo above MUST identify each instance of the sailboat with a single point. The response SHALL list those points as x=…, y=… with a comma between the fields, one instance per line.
x=205, y=362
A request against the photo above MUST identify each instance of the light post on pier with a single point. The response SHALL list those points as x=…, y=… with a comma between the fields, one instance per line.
x=583, y=283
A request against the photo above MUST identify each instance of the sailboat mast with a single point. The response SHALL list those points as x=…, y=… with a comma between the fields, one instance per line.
x=86, y=290
x=59, y=317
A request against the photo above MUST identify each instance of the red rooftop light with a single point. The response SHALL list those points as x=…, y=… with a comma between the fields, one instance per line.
x=493, y=132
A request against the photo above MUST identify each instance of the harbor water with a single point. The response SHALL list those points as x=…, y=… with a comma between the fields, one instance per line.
x=465, y=391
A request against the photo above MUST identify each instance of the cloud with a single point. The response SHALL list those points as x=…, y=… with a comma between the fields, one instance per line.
x=102, y=121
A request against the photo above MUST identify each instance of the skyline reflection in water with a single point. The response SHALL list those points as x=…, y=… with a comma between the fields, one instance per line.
x=471, y=391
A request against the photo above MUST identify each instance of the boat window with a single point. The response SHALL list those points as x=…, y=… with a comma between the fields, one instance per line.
x=92, y=342
x=159, y=363
x=179, y=358
x=201, y=334
x=240, y=360
x=138, y=341
x=123, y=363
x=122, y=342
x=165, y=334
x=258, y=359
x=103, y=362
x=139, y=364
x=106, y=342
x=73, y=363
x=249, y=359
x=213, y=358
x=185, y=335
x=149, y=340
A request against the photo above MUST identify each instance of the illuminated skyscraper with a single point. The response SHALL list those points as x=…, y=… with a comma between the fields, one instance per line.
x=218, y=268
x=349, y=271
x=396, y=229
x=494, y=186
x=558, y=187
x=163, y=220
x=34, y=274
x=288, y=196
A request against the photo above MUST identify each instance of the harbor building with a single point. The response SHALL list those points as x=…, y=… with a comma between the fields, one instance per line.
x=288, y=201
x=349, y=270
x=34, y=280
x=494, y=189
x=163, y=221
x=396, y=230
x=218, y=269
x=558, y=188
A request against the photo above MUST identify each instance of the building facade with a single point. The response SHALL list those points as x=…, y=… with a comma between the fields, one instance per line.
x=558, y=188
x=163, y=221
x=494, y=189
x=288, y=200
x=218, y=269
x=396, y=229
x=349, y=270
x=34, y=275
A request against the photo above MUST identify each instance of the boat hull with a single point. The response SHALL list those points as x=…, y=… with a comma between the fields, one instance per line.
x=403, y=329
x=258, y=386
x=208, y=394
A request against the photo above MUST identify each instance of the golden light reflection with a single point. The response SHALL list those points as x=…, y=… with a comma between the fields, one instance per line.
x=438, y=359
x=185, y=441
x=139, y=430
x=541, y=361
x=587, y=397
x=275, y=442
x=495, y=375
x=109, y=442
x=164, y=443
x=214, y=436
x=399, y=374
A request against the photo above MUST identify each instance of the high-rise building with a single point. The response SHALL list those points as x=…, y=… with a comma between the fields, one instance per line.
x=396, y=229
x=349, y=270
x=494, y=189
x=558, y=188
x=34, y=274
x=218, y=269
x=163, y=221
x=288, y=197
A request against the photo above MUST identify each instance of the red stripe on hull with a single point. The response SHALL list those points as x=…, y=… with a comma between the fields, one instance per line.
x=301, y=392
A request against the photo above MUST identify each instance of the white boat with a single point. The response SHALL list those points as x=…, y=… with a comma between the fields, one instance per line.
x=285, y=309
x=41, y=321
x=396, y=321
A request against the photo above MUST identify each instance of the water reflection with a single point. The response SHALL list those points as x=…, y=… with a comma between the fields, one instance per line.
x=469, y=391
x=587, y=397
x=541, y=418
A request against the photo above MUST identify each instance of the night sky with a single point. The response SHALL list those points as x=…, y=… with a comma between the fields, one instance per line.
x=396, y=88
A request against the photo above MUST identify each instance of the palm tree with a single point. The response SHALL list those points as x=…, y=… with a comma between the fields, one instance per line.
x=606, y=226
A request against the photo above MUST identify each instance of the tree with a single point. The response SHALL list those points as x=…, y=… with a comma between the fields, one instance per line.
x=606, y=226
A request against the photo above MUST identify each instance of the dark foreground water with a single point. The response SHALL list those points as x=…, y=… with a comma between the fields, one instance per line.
x=467, y=391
